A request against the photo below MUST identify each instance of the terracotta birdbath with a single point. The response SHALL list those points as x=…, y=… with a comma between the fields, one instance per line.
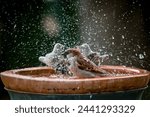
x=44, y=81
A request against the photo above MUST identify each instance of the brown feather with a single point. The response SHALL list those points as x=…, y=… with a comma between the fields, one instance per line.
x=84, y=63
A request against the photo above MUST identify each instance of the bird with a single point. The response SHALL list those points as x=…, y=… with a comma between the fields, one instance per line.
x=53, y=58
x=84, y=63
x=95, y=57
x=74, y=68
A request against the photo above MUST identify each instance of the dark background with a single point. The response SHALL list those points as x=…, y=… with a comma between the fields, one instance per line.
x=30, y=28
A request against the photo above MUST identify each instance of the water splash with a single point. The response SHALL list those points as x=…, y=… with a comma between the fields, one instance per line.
x=33, y=28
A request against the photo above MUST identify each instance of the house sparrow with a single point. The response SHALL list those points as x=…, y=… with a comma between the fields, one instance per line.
x=95, y=57
x=52, y=59
x=84, y=63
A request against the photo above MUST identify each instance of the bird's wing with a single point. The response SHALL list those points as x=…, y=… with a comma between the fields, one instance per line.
x=86, y=64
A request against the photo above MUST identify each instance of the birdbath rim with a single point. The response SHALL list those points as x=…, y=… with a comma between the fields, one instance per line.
x=40, y=80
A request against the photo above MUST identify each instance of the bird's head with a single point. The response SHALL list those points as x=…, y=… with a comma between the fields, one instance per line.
x=73, y=51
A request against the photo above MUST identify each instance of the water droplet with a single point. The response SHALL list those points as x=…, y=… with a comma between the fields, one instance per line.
x=144, y=53
x=113, y=37
x=122, y=36
x=141, y=56
x=14, y=26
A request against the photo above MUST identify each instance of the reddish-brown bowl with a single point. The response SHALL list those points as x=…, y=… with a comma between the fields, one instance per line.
x=44, y=80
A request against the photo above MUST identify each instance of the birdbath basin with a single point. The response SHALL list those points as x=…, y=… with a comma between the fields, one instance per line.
x=43, y=83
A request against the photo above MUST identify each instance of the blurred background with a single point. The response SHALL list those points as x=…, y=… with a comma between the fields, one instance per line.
x=30, y=28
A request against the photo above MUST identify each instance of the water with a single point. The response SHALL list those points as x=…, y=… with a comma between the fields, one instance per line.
x=34, y=27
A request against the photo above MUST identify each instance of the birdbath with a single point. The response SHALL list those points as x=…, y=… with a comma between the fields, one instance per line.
x=43, y=83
